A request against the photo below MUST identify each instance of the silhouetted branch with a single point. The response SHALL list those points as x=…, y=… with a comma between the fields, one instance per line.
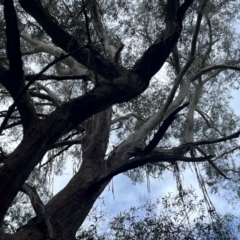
x=39, y=209
x=161, y=131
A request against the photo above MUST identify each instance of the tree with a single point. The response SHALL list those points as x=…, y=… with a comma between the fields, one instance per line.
x=100, y=62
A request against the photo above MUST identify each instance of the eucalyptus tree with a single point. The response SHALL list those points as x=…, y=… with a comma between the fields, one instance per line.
x=73, y=72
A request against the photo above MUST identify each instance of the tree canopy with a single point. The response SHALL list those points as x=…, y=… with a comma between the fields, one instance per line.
x=81, y=81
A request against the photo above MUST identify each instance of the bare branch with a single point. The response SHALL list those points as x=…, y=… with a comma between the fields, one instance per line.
x=44, y=97
x=96, y=13
x=39, y=209
x=226, y=153
x=66, y=143
x=14, y=124
x=204, y=116
x=161, y=131
x=74, y=66
x=127, y=116
x=176, y=61
x=209, y=48
x=57, y=78
x=212, y=163
x=168, y=106
x=215, y=67
x=13, y=42
x=155, y=156
x=224, y=139
x=190, y=117
x=197, y=29
x=55, y=155
x=50, y=93
x=15, y=86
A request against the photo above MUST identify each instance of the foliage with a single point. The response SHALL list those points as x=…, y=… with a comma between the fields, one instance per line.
x=170, y=222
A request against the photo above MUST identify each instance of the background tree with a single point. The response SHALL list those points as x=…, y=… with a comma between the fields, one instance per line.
x=72, y=72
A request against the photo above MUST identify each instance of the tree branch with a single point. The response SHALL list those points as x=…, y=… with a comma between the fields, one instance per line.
x=208, y=69
x=44, y=97
x=197, y=29
x=212, y=164
x=190, y=116
x=225, y=153
x=152, y=60
x=176, y=61
x=39, y=46
x=56, y=77
x=63, y=143
x=16, y=82
x=50, y=93
x=155, y=156
x=13, y=42
x=209, y=48
x=55, y=155
x=207, y=122
x=96, y=13
x=127, y=116
x=224, y=139
x=161, y=131
x=39, y=209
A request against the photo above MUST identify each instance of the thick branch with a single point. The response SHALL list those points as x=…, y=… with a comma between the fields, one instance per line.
x=57, y=78
x=190, y=117
x=13, y=42
x=209, y=48
x=155, y=156
x=73, y=66
x=152, y=60
x=101, y=31
x=176, y=61
x=15, y=82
